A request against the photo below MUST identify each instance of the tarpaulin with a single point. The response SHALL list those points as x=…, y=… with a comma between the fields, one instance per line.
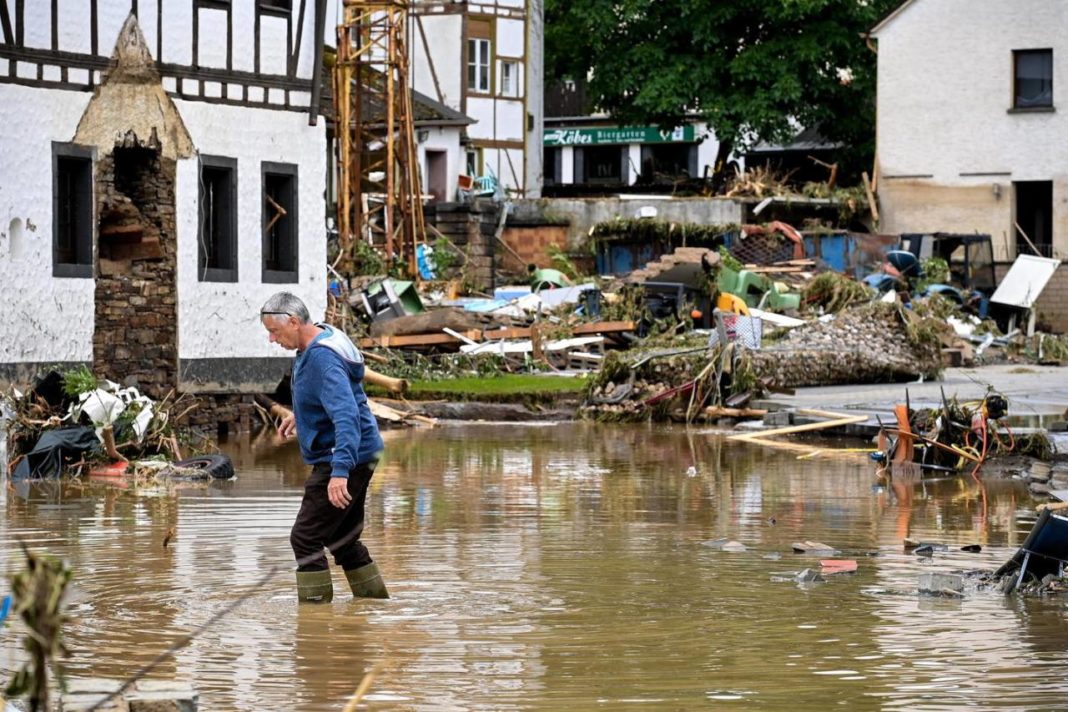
x=47, y=457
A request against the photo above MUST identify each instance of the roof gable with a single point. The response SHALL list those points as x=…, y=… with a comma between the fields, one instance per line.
x=891, y=17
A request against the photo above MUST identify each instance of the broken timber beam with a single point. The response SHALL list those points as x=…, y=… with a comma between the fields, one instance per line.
x=837, y=420
x=604, y=327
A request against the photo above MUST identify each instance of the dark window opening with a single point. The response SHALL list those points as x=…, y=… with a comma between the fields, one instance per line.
x=1033, y=78
x=668, y=162
x=282, y=7
x=280, y=224
x=1034, y=216
x=551, y=167
x=218, y=220
x=72, y=211
x=601, y=164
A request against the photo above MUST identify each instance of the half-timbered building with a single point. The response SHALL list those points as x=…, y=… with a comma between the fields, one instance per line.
x=162, y=171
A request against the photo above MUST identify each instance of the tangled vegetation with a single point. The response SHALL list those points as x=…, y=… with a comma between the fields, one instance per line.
x=832, y=292
x=645, y=230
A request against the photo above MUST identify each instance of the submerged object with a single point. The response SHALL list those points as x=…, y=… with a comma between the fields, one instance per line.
x=1044, y=552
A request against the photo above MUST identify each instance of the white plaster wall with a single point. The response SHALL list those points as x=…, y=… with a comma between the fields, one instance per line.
x=945, y=86
x=216, y=319
x=73, y=21
x=211, y=47
x=444, y=36
x=46, y=319
x=481, y=109
x=511, y=38
x=110, y=17
x=442, y=139
x=148, y=19
x=511, y=120
x=178, y=42
x=510, y=176
x=37, y=26
x=273, y=44
x=244, y=18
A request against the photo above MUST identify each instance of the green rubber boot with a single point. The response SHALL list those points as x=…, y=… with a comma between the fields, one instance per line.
x=366, y=582
x=315, y=586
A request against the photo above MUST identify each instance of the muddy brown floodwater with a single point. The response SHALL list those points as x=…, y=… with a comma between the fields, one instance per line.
x=557, y=567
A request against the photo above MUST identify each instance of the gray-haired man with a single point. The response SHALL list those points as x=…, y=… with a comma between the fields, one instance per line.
x=339, y=438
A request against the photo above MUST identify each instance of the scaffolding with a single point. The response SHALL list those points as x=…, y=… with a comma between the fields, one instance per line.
x=379, y=199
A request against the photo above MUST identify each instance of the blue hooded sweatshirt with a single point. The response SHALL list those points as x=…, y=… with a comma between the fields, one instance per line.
x=334, y=420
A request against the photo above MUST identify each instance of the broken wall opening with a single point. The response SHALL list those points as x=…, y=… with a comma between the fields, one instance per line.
x=135, y=337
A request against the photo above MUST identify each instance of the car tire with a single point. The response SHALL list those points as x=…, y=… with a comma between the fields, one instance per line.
x=217, y=466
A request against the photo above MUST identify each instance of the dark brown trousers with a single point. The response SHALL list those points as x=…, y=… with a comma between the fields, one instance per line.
x=320, y=525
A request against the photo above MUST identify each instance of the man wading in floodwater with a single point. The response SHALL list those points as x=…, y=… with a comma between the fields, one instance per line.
x=339, y=438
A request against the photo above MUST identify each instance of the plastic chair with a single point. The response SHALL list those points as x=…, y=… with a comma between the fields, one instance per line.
x=1045, y=551
x=485, y=186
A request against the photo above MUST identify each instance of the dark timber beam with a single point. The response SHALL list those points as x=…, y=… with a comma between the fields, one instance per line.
x=5, y=23
x=295, y=56
x=317, y=66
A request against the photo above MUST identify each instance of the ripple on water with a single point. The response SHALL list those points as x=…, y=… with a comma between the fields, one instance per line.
x=551, y=568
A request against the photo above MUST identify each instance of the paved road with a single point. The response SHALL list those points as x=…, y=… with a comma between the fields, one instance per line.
x=1031, y=391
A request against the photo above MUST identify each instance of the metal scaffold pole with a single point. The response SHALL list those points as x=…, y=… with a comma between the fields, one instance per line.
x=379, y=197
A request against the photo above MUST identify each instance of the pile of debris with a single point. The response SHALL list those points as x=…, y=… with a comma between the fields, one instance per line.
x=71, y=422
x=956, y=438
x=871, y=343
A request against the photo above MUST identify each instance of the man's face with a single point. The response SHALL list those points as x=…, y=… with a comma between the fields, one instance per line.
x=283, y=330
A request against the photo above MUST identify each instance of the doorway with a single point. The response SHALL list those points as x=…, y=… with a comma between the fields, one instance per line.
x=1034, y=216
x=437, y=175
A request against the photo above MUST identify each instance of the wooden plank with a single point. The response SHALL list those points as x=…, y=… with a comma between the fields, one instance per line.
x=440, y=339
x=871, y=197
x=837, y=420
x=599, y=327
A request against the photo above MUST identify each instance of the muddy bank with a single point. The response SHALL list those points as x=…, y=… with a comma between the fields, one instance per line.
x=561, y=410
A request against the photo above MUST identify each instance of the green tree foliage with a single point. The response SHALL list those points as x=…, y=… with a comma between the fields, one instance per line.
x=746, y=66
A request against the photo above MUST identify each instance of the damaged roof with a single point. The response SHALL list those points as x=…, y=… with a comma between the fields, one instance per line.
x=427, y=111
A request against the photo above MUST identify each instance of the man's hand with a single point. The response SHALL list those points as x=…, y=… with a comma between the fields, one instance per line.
x=288, y=426
x=338, y=492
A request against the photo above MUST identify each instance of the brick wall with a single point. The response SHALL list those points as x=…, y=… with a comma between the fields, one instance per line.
x=532, y=242
x=1052, y=306
x=471, y=228
x=135, y=337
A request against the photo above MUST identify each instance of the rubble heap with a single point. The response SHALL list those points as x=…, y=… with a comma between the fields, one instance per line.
x=867, y=344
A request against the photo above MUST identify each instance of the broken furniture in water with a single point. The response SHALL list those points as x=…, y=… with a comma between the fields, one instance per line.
x=1043, y=553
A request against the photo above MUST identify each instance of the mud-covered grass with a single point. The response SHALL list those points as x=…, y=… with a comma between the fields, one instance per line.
x=508, y=388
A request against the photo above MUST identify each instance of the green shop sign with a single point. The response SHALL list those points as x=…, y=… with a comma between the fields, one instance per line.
x=617, y=135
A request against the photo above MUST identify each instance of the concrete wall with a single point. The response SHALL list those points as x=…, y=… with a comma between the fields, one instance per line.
x=584, y=213
x=946, y=135
x=46, y=318
x=218, y=319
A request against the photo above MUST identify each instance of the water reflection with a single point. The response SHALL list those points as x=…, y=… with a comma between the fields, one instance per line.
x=538, y=567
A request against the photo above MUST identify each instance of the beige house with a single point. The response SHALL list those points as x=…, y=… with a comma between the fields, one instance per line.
x=970, y=135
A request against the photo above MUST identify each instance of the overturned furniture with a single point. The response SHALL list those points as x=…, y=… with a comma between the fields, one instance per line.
x=1041, y=557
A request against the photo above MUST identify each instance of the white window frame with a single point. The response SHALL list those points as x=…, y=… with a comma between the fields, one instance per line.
x=479, y=52
x=509, y=79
